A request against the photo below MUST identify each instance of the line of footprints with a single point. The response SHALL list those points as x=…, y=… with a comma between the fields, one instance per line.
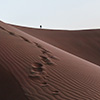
x=37, y=70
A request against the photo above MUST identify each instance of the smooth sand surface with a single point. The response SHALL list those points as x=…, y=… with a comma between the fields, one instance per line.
x=41, y=71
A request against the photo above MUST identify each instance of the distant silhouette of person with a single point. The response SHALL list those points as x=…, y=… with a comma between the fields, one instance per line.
x=40, y=26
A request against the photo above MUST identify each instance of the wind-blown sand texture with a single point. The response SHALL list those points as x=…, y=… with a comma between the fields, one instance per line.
x=83, y=43
x=31, y=69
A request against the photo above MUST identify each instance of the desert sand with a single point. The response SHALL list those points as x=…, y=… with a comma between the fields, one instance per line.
x=39, y=64
x=83, y=43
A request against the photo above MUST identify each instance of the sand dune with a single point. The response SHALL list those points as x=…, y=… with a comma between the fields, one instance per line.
x=84, y=44
x=9, y=87
x=41, y=71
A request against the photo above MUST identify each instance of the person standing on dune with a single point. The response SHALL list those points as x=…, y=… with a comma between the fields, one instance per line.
x=40, y=26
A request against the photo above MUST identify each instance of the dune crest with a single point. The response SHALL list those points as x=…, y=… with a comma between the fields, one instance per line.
x=45, y=72
x=82, y=43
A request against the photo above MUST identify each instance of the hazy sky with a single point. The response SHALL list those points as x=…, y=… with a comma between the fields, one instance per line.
x=54, y=14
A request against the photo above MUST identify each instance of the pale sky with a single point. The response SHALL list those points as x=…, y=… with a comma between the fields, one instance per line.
x=52, y=14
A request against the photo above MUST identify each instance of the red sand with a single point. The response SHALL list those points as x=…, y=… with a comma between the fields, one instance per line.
x=41, y=71
x=84, y=44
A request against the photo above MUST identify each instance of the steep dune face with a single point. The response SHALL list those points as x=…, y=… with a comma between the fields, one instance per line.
x=84, y=44
x=45, y=72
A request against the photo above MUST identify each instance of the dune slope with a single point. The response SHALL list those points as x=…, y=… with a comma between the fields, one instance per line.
x=45, y=72
x=9, y=87
x=84, y=44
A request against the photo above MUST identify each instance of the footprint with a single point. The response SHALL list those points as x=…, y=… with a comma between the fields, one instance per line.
x=44, y=84
x=36, y=71
x=25, y=39
x=37, y=67
x=11, y=33
x=55, y=92
x=38, y=64
x=49, y=54
x=2, y=28
x=38, y=45
x=52, y=57
x=46, y=60
x=32, y=72
x=35, y=76
x=44, y=51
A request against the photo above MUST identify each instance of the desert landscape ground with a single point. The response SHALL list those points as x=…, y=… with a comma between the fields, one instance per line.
x=41, y=64
x=82, y=43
